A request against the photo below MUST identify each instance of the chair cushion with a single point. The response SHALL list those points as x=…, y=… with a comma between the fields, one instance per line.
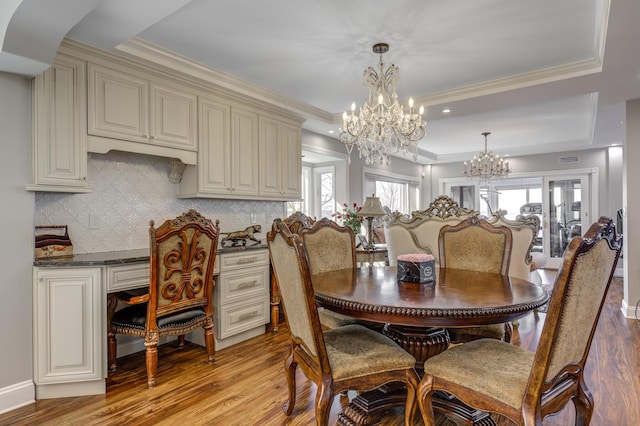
x=356, y=351
x=136, y=317
x=332, y=319
x=471, y=364
x=494, y=331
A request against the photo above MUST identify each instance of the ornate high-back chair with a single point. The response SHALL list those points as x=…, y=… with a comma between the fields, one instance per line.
x=476, y=245
x=524, y=229
x=526, y=387
x=419, y=232
x=179, y=299
x=329, y=247
x=349, y=357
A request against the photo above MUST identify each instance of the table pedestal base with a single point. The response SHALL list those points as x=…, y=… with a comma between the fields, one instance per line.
x=368, y=407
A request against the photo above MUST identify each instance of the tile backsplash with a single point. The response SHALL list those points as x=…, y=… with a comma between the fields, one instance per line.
x=128, y=191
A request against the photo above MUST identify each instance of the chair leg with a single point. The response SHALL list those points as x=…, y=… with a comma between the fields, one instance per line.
x=152, y=362
x=410, y=406
x=425, y=392
x=583, y=403
x=290, y=366
x=112, y=350
x=210, y=343
x=324, y=398
x=181, y=342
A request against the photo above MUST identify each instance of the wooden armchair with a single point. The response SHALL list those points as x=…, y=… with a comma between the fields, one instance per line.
x=526, y=387
x=349, y=357
x=476, y=245
x=179, y=299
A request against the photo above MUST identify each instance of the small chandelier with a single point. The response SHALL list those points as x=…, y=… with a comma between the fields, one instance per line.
x=382, y=127
x=487, y=165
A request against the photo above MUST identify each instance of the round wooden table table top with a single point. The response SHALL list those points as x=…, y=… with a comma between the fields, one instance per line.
x=457, y=298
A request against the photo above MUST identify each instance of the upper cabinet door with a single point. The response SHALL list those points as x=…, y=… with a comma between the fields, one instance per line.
x=270, y=158
x=292, y=161
x=173, y=119
x=244, y=145
x=118, y=104
x=135, y=108
x=60, y=128
x=214, y=156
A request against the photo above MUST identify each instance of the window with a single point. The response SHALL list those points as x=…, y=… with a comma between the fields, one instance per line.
x=397, y=192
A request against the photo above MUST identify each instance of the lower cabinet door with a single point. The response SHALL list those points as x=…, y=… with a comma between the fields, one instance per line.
x=68, y=318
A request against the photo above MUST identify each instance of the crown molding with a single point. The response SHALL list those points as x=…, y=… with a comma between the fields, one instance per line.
x=151, y=54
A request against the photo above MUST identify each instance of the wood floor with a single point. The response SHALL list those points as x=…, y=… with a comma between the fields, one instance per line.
x=246, y=385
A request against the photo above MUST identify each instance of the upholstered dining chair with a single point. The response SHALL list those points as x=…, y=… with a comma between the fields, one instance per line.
x=526, y=387
x=179, y=298
x=336, y=360
x=329, y=247
x=474, y=244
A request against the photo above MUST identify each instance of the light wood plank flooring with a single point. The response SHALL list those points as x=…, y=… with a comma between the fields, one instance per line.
x=246, y=385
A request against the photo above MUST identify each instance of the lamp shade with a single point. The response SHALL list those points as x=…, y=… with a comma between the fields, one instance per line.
x=372, y=208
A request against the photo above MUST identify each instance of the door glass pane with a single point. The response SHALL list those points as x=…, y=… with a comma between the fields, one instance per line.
x=565, y=213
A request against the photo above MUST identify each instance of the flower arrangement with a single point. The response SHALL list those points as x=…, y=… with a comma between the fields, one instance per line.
x=349, y=217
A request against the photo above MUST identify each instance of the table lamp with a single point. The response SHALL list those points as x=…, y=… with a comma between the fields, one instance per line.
x=371, y=209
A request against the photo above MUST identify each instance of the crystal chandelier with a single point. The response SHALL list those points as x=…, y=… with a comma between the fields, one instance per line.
x=486, y=165
x=382, y=127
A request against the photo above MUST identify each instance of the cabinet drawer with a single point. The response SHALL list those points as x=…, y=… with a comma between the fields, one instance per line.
x=242, y=316
x=243, y=284
x=126, y=277
x=231, y=261
x=136, y=275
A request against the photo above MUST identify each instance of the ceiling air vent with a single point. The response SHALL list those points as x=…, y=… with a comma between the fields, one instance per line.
x=569, y=159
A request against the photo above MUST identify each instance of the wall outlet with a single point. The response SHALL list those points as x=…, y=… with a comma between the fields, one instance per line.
x=94, y=221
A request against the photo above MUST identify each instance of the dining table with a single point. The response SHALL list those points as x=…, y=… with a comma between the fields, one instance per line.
x=417, y=315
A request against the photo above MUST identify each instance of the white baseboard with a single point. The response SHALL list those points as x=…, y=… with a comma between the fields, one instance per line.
x=17, y=395
x=630, y=312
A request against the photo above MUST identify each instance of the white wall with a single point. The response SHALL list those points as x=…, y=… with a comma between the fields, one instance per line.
x=632, y=206
x=16, y=216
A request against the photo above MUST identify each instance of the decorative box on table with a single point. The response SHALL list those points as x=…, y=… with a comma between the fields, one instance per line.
x=416, y=268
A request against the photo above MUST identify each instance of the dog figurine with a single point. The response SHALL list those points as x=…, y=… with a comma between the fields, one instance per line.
x=234, y=238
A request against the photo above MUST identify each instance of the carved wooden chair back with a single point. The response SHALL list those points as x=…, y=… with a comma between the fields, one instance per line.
x=297, y=221
x=179, y=299
x=525, y=387
x=474, y=244
x=349, y=357
x=329, y=246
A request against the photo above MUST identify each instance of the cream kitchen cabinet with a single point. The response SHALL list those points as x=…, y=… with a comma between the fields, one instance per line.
x=228, y=153
x=280, y=159
x=60, y=128
x=241, y=296
x=130, y=106
x=68, y=332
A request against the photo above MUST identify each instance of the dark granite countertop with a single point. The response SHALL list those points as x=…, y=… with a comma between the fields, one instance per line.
x=121, y=257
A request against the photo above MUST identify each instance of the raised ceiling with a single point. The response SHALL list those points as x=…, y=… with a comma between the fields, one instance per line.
x=541, y=76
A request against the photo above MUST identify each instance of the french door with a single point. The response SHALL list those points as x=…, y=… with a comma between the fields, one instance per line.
x=562, y=201
x=566, y=214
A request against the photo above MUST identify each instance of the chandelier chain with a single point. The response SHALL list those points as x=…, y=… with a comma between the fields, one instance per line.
x=382, y=128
